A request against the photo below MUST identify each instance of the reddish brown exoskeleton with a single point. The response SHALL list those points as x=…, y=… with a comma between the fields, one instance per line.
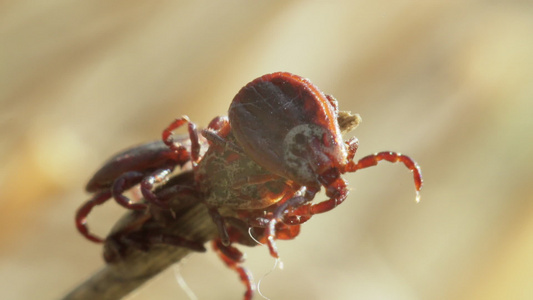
x=259, y=170
x=288, y=126
x=146, y=165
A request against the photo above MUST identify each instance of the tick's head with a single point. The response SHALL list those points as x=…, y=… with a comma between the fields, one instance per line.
x=311, y=151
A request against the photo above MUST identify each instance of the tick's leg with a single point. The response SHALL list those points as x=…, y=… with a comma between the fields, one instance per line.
x=193, y=136
x=229, y=252
x=352, y=144
x=220, y=125
x=83, y=212
x=121, y=184
x=279, y=213
x=277, y=217
x=243, y=233
x=186, y=193
x=299, y=216
x=372, y=160
x=337, y=190
x=147, y=185
x=216, y=133
x=233, y=262
x=287, y=232
x=221, y=225
x=114, y=247
x=283, y=231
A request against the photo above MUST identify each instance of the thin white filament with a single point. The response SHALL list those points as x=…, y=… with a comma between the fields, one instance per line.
x=181, y=281
x=277, y=263
x=253, y=238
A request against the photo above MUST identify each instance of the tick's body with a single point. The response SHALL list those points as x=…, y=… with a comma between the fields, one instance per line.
x=260, y=169
x=229, y=179
x=288, y=126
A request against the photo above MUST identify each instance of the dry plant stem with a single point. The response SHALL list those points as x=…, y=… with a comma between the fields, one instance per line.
x=117, y=280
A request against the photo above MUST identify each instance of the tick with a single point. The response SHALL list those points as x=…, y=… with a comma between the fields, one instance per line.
x=289, y=127
x=257, y=171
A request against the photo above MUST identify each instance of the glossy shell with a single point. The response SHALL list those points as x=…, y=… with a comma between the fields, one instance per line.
x=144, y=158
x=288, y=126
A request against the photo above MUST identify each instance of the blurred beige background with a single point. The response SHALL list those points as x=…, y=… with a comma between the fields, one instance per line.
x=448, y=82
